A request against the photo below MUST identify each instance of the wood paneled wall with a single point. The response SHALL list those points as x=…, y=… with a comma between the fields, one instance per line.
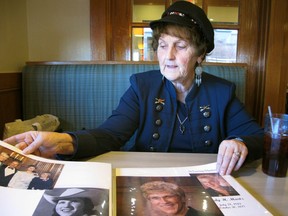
x=110, y=29
x=253, y=19
x=10, y=98
x=276, y=66
x=100, y=30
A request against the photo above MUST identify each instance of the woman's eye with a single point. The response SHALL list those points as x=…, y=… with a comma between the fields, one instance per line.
x=161, y=45
x=181, y=46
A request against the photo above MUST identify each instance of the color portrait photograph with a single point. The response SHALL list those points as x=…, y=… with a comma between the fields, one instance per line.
x=151, y=196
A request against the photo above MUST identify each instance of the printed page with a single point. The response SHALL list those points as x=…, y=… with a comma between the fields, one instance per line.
x=31, y=185
x=195, y=190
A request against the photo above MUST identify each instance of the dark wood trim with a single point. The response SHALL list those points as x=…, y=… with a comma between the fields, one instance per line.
x=225, y=26
x=251, y=48
x=99, y=30
x=121, y=19
x=222, y=3
x=87, y=62
x=264, y=17
x=11, y=98
x=276, y=77
x=10, y=81
x=110, y=24
x=140, y=25
x=119, y=62
x=9, y=90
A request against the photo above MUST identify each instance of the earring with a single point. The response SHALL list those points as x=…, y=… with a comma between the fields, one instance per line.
x=198, y=73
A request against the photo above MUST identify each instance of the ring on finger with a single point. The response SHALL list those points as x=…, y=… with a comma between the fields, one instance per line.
x=237, y=153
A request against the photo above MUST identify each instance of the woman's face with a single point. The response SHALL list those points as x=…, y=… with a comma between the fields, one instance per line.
x=70, y=207
x=165, y=203
x=177, y=58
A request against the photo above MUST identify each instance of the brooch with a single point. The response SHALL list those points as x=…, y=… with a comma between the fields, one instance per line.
x=159, y=101
x=204, y=108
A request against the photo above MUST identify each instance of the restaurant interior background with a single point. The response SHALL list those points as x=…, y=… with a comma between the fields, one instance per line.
x=252, y=32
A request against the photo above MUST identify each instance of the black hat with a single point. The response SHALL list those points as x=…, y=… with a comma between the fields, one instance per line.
x=187, y=14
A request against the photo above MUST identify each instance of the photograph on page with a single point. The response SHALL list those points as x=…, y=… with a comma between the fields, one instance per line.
x=163, y=196
x=74, y=201
x=21, y=172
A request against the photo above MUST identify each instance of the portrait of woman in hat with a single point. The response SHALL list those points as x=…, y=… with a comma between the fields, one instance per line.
x=74, y=202
x=178, y=108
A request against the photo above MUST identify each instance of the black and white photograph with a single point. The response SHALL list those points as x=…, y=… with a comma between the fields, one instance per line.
x=74, y=202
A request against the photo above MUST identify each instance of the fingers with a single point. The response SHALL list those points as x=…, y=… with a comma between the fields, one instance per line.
x=231, y=156
x=234, y=161
x=21, y=145
x=225, y=160
x=44, y=144
x=13, y=140
x=31, y=147
x=241, y=159
x=27, y=141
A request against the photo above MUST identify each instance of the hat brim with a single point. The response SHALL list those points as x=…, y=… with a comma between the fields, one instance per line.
x=82, y=194
x=54, y=199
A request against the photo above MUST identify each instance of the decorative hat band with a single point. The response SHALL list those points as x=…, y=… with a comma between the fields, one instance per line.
x=180, y=14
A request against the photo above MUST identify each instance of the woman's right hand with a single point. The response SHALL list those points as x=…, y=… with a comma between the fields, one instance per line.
x=43, y=144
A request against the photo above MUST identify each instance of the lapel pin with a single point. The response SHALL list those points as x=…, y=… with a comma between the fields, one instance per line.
x=204, y=108
x=159, y=101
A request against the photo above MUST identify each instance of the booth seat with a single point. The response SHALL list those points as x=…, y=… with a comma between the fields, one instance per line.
x=83, y=95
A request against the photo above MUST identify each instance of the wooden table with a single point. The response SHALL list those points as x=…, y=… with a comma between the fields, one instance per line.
x=271, y=192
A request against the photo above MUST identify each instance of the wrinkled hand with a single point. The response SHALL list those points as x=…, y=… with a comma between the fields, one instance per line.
x=231, y=156
x=44, y=144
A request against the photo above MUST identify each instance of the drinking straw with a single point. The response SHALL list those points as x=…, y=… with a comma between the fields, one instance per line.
x=271, y=119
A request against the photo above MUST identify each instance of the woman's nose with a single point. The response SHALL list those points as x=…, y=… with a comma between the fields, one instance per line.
x=170, y=53
x=67, y=203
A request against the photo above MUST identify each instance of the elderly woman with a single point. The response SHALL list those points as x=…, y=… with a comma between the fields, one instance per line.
x=165, y=198
x=178, y=108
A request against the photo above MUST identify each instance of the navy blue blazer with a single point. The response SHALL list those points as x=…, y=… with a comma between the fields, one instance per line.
x=4, y=180
x=149, y=109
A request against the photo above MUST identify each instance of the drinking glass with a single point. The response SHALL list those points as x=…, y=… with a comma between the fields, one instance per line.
x=275, y=153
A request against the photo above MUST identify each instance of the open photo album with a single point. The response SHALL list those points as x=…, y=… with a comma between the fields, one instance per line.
x=34, y=186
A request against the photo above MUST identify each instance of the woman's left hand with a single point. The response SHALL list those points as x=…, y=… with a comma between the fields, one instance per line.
x=231, y=156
